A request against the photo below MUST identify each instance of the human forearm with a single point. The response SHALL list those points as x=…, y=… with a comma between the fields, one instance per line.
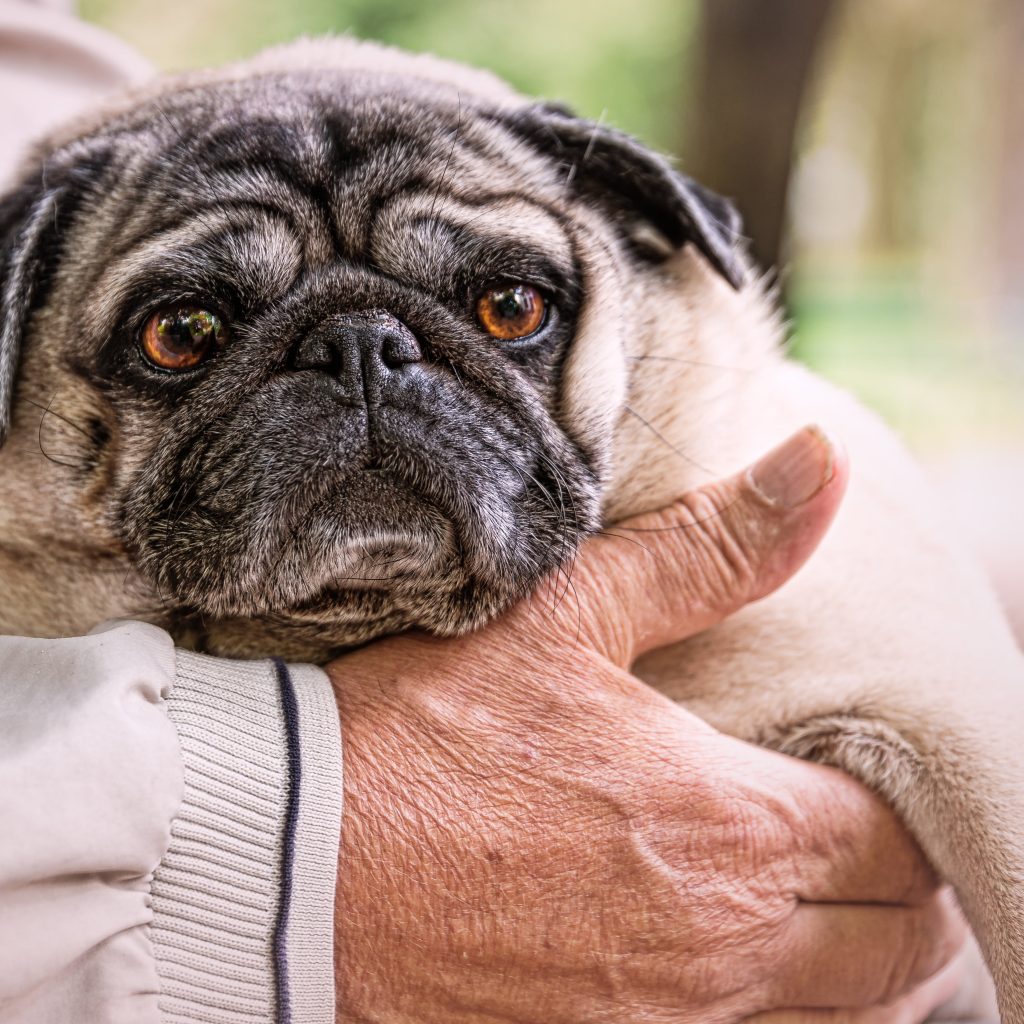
x=168, y=833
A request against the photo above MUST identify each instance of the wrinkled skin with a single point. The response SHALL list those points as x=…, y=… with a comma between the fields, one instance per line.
x=555, y=843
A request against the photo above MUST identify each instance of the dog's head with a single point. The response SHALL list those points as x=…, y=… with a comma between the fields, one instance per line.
x=337, y=339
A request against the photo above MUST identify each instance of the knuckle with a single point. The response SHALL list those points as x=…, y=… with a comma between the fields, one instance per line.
x=725, y=551
x=929, y=940
x=941, y=934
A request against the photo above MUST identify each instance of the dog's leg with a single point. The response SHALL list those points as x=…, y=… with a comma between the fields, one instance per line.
x=966, y=808
x=941, y=741
x=887, y=656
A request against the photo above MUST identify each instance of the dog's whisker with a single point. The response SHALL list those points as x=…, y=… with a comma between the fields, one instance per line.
x=563, y=488
x=558, y=510
x=451, y=153
x=691, y=362
x=50, y=458
x=609, y=534
x=680, y=526
x=49, y=410
x=667, y=443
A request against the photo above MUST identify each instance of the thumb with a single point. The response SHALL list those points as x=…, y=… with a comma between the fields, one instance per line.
x=661, y=577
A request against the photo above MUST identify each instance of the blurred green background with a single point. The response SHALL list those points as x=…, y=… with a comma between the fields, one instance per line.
x=876, y=148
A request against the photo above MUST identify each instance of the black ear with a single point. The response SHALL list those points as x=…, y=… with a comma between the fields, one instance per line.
x=636, y=184
x=32, y=218
x=24, y=216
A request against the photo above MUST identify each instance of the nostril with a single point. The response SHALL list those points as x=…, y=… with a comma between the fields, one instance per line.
x=398, y=349
x=316, y=353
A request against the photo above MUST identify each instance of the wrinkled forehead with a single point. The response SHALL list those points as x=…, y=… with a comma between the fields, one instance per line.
x=332, y=165
x=345, y=143
x=255, y=180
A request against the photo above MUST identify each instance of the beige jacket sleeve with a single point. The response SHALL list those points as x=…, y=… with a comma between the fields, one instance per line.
x=168, y=822
x=90, y=780
x=168, y=834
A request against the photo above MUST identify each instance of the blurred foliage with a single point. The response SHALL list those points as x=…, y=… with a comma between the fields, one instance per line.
x=899, y=285
x=943, y=381
x=623, y=62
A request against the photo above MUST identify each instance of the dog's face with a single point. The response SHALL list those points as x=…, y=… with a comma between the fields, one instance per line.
x=340, y=349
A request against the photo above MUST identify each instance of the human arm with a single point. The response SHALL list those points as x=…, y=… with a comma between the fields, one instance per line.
x=150, y=801
x=531, y=834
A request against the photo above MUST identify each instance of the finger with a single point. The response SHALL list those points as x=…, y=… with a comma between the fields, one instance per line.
x=716, y=549
x=851, y=845
x=913, y=1008
x=975, y=995
x=856, y=957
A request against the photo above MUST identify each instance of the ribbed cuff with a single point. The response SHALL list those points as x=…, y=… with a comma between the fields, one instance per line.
x=243, y=901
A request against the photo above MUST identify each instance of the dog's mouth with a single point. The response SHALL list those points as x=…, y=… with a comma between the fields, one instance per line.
x=388, y=538
x=392, y=526
x=430, y=519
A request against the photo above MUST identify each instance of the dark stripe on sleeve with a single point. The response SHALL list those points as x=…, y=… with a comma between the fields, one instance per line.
x=289, y=707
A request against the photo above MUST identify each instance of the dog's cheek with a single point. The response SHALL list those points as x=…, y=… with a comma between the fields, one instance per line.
x=68, y=431
x=100, y=443
x=595, y=375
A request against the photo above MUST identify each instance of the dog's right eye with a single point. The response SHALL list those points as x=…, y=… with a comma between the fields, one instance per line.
x=180, y=338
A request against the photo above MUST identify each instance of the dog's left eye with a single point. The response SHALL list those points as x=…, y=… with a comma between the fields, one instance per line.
x=512, y=311
x=181, y=337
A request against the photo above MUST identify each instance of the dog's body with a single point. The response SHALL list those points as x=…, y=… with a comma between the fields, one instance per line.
x=215, y=512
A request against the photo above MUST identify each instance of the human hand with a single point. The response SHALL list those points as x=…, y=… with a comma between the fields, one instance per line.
x=533, y=835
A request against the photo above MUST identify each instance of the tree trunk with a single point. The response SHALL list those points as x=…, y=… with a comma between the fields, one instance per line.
x=1010, y=173
x=754, y=58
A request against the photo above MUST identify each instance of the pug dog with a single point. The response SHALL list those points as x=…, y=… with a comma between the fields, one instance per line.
x=341, y=341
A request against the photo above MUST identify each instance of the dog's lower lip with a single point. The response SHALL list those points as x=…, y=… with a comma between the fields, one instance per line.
x=372, y=569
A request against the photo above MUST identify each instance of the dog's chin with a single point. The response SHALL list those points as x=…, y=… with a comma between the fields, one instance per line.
x=353, y=609
x=375, y=558
x=378, y=536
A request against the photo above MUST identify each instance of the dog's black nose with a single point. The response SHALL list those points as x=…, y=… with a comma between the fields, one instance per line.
x=366, y=352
